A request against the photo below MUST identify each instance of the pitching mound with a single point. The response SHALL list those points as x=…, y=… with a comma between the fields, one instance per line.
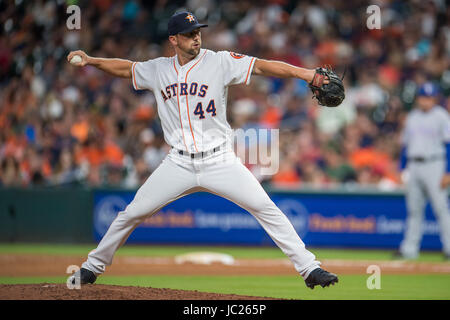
x=46, y=291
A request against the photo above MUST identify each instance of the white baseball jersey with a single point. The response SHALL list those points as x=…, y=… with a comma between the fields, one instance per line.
x=192, y=99
x=426, y=133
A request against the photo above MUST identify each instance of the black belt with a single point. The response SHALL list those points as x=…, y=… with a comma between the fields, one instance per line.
x=423, y=159
x=200, y=154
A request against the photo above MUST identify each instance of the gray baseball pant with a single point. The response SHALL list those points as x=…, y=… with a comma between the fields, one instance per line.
x=424, y=184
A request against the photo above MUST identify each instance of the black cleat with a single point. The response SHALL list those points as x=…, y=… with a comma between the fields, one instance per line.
x=320, y=277
x=397, y=255
x=86, y=276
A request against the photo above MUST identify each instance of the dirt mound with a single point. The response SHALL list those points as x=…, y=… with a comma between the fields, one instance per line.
x=46, y=291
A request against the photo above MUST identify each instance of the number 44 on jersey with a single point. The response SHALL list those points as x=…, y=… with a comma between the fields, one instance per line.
x=211, y=108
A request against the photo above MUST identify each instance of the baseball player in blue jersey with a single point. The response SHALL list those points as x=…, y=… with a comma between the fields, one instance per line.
x=426, y=158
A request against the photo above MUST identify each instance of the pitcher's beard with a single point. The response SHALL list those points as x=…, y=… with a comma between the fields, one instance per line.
x=190, y=51
x=194, y=52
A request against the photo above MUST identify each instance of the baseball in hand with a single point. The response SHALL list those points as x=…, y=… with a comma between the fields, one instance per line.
x=76, y=59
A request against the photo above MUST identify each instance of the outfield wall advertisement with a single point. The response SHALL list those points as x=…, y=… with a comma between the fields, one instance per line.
x=349, y=220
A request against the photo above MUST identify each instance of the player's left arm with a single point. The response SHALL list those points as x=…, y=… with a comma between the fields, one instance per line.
x=279, y=69
x=445, y=181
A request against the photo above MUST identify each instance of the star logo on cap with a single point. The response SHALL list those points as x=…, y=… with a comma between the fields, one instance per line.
x=190, y=17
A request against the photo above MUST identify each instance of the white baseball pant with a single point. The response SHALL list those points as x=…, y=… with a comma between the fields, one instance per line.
x=221, y=173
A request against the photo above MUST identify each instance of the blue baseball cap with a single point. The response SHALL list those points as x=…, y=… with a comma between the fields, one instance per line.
x=183, y=22
x=428, y=89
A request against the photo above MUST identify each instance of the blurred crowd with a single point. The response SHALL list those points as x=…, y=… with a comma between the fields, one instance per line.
x=63, y=125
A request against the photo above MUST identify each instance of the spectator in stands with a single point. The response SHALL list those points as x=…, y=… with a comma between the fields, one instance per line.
x=59, y=127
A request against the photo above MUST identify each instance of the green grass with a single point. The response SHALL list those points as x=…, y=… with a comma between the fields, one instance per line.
x=433, y=286
x=353, y=287
x=139, y=250
x=237, y=252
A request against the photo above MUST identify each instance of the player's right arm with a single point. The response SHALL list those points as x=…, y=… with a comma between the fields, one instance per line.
x=116, y=67
x=445, y=133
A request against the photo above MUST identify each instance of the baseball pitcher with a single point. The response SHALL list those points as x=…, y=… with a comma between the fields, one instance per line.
x=191, y=93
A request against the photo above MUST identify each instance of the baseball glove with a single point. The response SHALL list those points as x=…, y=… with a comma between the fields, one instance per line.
x=331, y=94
